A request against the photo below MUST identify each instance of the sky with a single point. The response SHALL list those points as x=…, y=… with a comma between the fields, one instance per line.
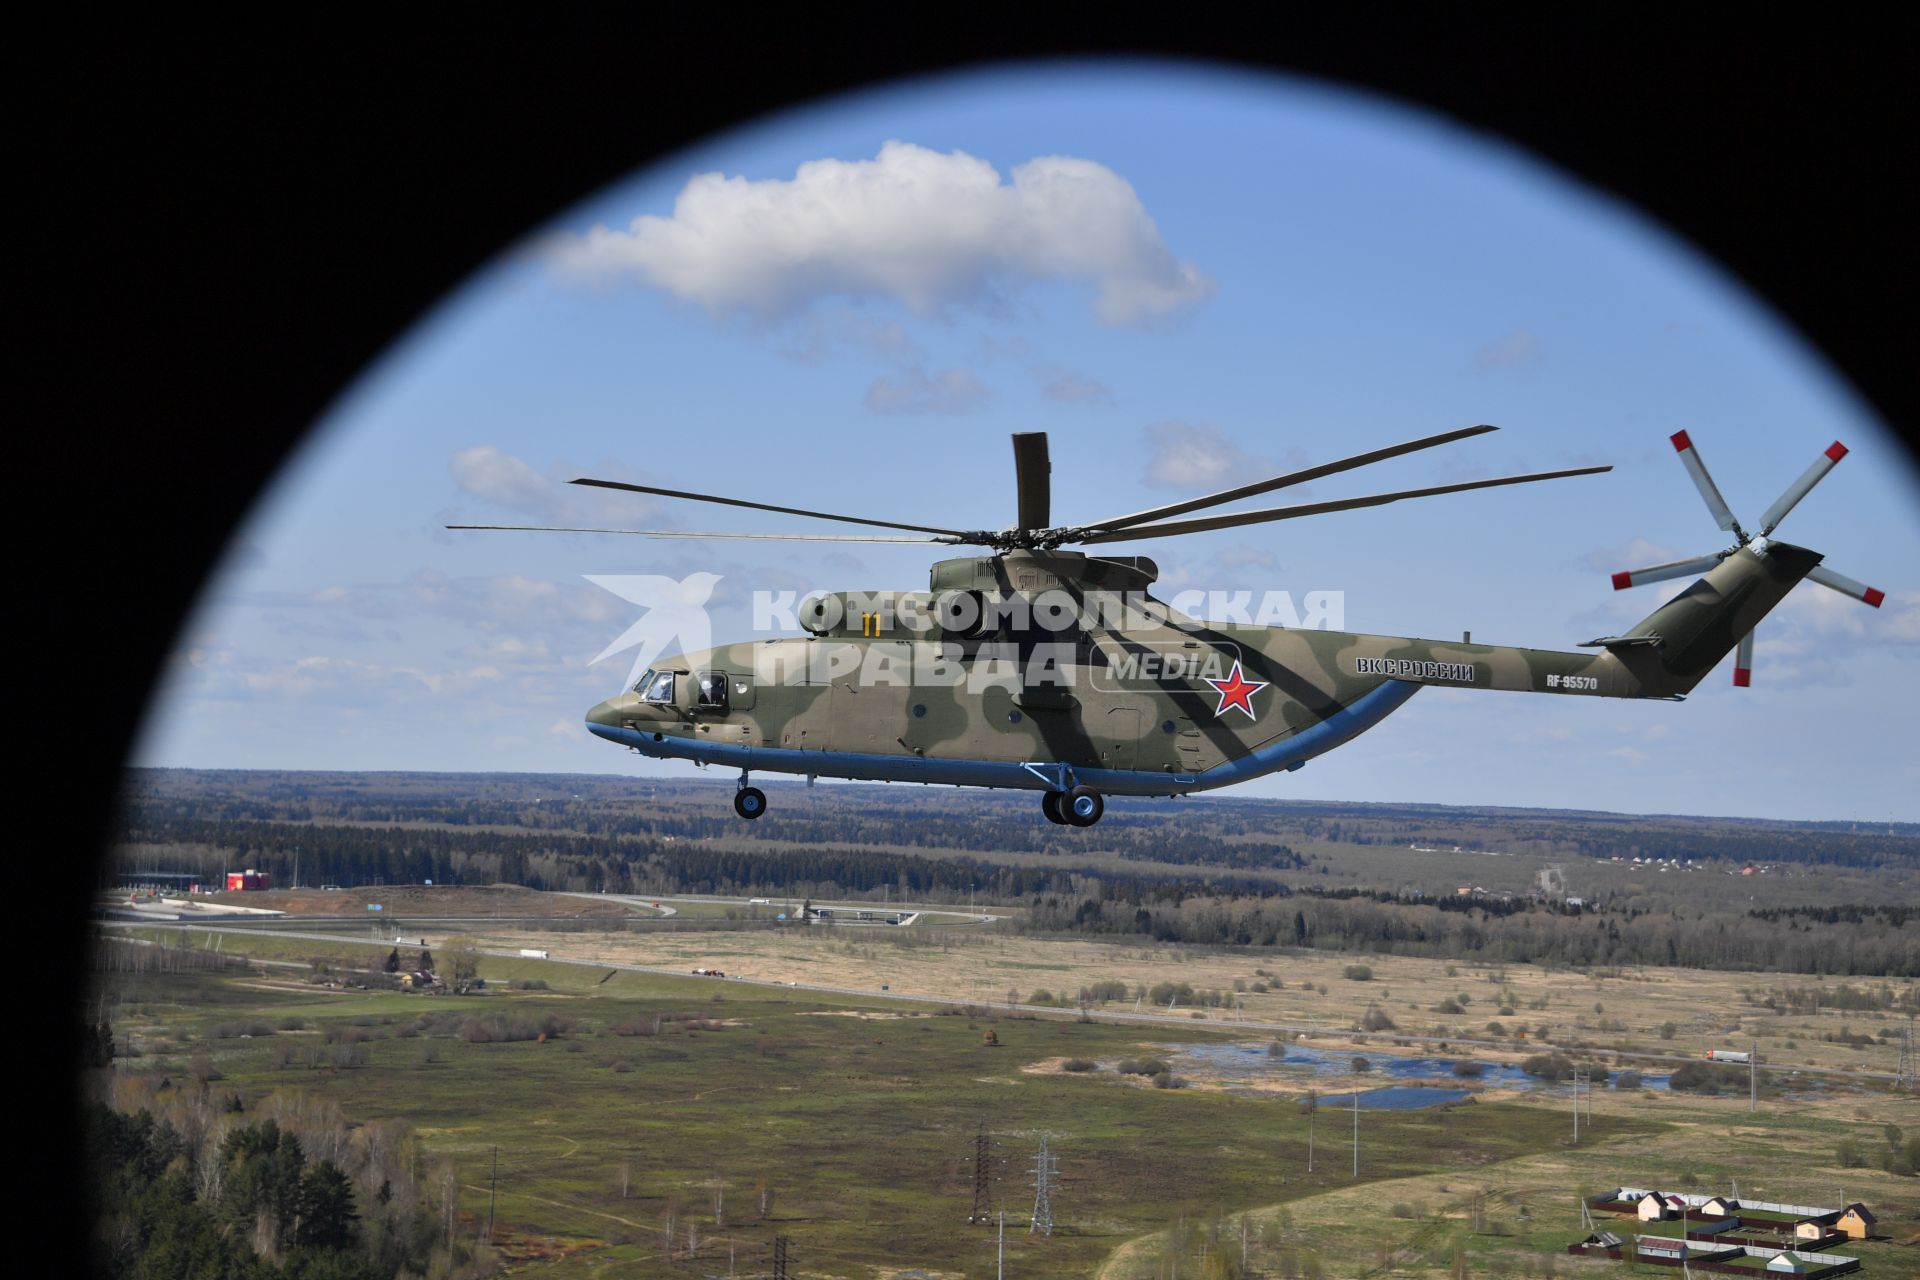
x=1189, y=278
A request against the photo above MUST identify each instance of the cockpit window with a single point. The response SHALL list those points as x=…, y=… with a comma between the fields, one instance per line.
x=713, y=692
x=659, y=687
x=640, y=686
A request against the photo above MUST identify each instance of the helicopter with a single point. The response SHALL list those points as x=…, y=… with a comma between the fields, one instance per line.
x=1046, y=668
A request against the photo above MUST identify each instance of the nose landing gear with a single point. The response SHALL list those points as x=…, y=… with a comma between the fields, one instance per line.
x=1080, y=807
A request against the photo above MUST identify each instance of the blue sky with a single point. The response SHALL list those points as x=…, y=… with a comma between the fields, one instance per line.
x=1175, y=272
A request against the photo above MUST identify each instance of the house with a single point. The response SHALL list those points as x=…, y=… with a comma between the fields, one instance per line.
x=1669, y=1250
x=1604, y=1242
x=1656, y=1207
x=1788, y=1264
x=1720, y=1207
x=1856, y=1222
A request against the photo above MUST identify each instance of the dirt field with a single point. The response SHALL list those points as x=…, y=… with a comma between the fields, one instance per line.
x=425, y=900
x=1705, y=1010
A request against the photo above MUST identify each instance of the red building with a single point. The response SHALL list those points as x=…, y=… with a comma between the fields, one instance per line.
x=238, y=880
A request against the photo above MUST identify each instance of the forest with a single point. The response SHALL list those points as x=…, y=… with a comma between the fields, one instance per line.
x=1216, y=872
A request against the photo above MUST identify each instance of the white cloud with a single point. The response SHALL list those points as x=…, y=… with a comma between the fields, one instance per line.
x=928, y=230
x=1071, y=388
x=1637, y=554
x=1511, y=352
x=493, y=475
x=915, y=391
x=1192, y=457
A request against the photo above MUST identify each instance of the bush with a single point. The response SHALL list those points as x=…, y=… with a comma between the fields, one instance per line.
x=1549, y=1066
x=1361, y=1065
x=1627, y=1080
x=1706, y=1078
x=1375, y=1019
x=239, y=1030
x=1142, y=1067
x=1358, y=972
x=1079, y=1064
x=1496, y=1029
x=1276, y=1050
x=1449, y=1005
x=1468, y=1070
x=1168, y=1080
x=502, y=1028
x=1040, y=996
x=1402, y=1210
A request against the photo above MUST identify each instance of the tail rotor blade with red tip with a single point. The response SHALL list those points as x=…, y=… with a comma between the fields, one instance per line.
x=1662, y=572
x=1703, y=481
x=1743, y=662
x=1801, y=487
x=1847, y=586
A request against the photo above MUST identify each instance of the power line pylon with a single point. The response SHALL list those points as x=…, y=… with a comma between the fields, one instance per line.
x=1904, y=1073
x=982, y=1178
x=1045, y=1174
x=779, y=1258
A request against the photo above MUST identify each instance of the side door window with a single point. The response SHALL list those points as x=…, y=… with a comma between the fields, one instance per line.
x=713, y=693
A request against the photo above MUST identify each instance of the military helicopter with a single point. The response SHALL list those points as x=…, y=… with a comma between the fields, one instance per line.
x=1055, y=670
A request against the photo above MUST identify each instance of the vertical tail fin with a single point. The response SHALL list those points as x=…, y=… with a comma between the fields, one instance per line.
x=1704, y=623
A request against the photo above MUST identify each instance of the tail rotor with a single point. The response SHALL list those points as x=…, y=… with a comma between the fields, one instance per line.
x=1757, y=543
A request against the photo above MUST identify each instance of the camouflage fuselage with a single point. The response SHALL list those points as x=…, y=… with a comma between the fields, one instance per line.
x=1146, y=706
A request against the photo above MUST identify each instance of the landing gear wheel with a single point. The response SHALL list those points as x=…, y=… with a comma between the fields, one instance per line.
x=1083, y=806
x=749, y=802
x=1050, y=805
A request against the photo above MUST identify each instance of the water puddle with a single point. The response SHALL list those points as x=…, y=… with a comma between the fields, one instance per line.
x=1419, y=1082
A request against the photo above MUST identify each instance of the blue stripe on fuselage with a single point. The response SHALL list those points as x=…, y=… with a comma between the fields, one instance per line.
x=1337, y=729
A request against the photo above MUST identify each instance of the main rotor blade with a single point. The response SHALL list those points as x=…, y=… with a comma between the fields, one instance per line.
x=1703, y=481
x=1291, y=478
x=1238, y=518
x=684, y=533
x=1661, y=572
x=1743, y=662
x=1847, y=586
x=763, y=506
x=1034, y=475
x=1799, y=489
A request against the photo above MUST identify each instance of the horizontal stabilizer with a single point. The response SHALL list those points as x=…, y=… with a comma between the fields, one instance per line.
x=1620, y=642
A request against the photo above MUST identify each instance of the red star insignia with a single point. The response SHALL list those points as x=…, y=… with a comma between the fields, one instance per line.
x=1237, y=691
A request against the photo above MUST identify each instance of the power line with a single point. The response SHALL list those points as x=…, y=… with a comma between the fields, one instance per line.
x=982, y=1178
x=1045, y=1174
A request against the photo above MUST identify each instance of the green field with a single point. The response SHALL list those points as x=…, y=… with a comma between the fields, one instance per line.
x=863, y=1128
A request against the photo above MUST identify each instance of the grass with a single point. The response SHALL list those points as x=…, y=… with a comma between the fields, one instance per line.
x=1708, y=1010
x=863, y=1128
